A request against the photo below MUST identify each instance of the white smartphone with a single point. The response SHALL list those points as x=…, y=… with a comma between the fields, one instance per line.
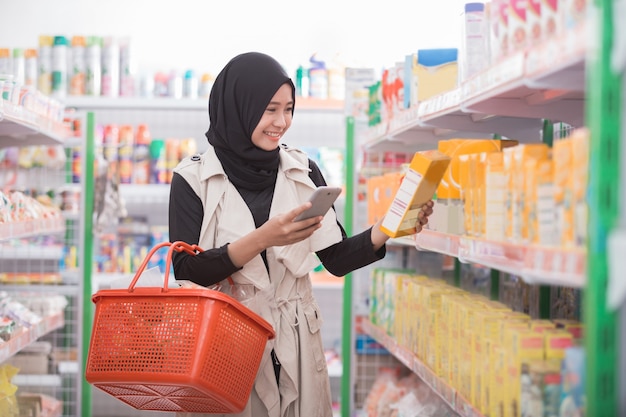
x=322, y=200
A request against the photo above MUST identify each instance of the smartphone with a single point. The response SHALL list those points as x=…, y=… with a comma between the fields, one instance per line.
x=322, y=200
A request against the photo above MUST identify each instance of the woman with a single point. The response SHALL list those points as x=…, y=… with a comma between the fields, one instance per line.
x=238, y=202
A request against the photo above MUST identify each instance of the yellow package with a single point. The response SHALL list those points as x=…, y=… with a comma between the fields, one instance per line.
x=417, y=187
x=521, y=154
x=544, y=230
x=562, y=154
x=555, y=343
x=495, y=191
x=579, y=181
x=526, y=346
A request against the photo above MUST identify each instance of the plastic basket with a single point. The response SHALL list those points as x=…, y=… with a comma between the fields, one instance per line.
x=175, y=349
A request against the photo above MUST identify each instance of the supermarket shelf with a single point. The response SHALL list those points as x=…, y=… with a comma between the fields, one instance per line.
x=20, y=128
x=510, y=98
x=37, y=380
x=30, y=228
x=412, y=362
x=145, y=193
x=27, y=336
x=163, y=103
x=32, y=252
x=535, y=264
x=41, y=288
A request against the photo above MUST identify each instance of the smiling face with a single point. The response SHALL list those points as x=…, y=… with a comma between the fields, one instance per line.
x=275, y=121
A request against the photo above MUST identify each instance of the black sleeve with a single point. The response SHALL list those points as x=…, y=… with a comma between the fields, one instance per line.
x=352, y=252
x=185, y=220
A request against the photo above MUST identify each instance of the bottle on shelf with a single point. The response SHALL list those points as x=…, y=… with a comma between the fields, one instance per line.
x=44, y=74
x=93, y=66
x=141, y=155
x=59, y=67
x=78, y=67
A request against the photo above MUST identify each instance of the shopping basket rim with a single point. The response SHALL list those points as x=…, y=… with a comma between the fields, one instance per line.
x=184, y=292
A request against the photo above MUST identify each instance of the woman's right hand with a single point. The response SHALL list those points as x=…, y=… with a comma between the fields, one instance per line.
x=279, y=230
x=282, y=230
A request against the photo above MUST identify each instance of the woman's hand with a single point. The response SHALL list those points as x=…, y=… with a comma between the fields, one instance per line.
x=422, y=216
x=280, y=230
x=379, y=237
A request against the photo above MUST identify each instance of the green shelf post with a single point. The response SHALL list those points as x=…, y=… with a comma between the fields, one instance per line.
x=457, y=272
x=547, y=137
x=86, y=260
x=494, y=289
x=346, y=333
x=603, y=114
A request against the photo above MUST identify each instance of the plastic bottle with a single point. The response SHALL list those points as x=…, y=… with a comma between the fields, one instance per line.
x=158, y=162
x=141, y=155
x=30, y=67
x=44, y=73
x=206, y=83
x=5, y=61
x=126, y=154
x=175, y=85
x=19, y=66
x=190, y=85
x=128, y=69
x=110, y=67
x=302, y=82
x=59, y=67
x=318, y=77
x=78, y=69
x=93, y=66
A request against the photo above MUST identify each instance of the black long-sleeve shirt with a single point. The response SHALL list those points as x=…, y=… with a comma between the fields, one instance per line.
x=214, y=265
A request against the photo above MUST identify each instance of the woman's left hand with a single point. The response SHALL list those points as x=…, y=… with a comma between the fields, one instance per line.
x=422, y=216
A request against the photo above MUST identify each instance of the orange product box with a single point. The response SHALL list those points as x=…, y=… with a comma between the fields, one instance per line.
x=521, y=154
x=556, y=341
x=417, y=187
x=579, y=181
x=526, y=346
x=375, y=208
x=563, y=173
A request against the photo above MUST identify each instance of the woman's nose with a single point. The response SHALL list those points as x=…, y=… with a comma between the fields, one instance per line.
x=280, y=120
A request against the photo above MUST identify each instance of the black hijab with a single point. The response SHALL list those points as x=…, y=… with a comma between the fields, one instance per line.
x=238, y=99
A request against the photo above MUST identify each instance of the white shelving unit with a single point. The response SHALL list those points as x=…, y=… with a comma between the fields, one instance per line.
x=20, y=128
x=511, y=99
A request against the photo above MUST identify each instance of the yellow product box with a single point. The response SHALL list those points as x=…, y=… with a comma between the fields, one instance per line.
x=497, y=380
x=579, y=181
x=456, y=307
x=510, y=192
x=452, y=183
x=437, y=72
x=575, y=327
x=526, y=345
x=563, y=193
x=449, y=331
x=540, y=325
x=466, y=169
x=375, y=196
x=556, y=341
x=521, y=154
x=418, y=187
x=495, y=190
x=544, y=228
x=469, y=312
x=488, y=324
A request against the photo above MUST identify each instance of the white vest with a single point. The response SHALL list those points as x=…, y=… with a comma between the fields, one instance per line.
x=284, y=296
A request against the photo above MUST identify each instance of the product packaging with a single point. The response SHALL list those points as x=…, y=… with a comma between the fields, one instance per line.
x=418, y=186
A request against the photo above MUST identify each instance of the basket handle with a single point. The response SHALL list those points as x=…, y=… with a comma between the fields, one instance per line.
x=177, y=246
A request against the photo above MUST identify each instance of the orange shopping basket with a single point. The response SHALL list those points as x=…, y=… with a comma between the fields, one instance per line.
x=175, y=349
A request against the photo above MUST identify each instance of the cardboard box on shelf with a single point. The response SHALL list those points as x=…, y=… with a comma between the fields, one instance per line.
x=417, y=188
